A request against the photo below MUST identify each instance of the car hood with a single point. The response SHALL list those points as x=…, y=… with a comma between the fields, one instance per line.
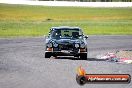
x=64, y=41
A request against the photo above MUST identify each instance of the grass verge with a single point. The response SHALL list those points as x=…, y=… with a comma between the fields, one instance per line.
x=23, y=20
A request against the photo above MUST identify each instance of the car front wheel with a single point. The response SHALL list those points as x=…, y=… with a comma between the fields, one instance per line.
x=83, y=56
x=47, y=55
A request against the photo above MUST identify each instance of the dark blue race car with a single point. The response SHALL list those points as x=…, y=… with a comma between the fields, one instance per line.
x=66, y=41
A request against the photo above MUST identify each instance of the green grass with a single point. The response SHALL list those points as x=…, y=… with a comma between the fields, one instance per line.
x=23, y=20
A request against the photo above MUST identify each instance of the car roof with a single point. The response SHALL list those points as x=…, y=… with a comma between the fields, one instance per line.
x=65, y=27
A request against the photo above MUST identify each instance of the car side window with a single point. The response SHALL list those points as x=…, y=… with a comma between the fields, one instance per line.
x=56, y=34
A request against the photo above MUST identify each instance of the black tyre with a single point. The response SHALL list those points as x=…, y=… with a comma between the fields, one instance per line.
x=83, y=56
x=47, y=55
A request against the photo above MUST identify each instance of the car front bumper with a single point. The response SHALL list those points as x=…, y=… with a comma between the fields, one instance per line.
x=66, y=52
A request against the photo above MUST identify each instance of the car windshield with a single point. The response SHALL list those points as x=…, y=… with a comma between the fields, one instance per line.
x=66, y=33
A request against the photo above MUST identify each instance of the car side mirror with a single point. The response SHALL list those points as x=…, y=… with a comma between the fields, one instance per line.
x=86, y=37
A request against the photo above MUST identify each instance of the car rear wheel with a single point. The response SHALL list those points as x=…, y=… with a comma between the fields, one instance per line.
x=47, y=55
x=83, y=56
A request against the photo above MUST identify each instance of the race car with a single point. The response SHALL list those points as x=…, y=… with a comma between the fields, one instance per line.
x=66, y=41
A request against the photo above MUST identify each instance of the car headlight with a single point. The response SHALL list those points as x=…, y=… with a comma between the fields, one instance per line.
x=82, y=45
x=55, y=44
x=49, y=44
x=76, y=45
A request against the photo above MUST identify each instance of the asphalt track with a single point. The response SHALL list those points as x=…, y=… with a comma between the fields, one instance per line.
x=22, y=63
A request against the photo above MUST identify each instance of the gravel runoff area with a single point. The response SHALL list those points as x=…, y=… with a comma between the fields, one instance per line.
x=125, y=54
x=22, y=63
